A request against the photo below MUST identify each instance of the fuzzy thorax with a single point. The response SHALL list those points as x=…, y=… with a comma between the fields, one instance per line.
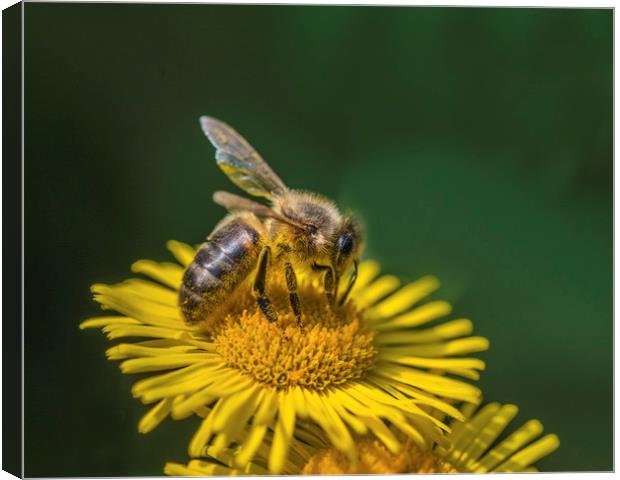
x=318, y=217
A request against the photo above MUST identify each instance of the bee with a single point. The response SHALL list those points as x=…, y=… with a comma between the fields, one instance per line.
x=298, y=230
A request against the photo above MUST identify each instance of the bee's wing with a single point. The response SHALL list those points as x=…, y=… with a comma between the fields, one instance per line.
x=239, y=161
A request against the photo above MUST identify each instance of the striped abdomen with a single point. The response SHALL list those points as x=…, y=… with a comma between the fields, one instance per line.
x=219, y=266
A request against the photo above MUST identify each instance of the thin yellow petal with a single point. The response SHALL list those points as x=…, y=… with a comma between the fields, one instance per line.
x=181, y=388
x=129, y=350
x=147, y=290
x=204, y=432
x=321, y=412
x=514, y=442
x=418, y=316
x=183, y=374
x=404, y=298
x=300, y=402
x=460, y=346
x=119, y=331
x=212, y=469
x=445, y=331
x=181, y=251
x=263, y=418
x=148, y=312
x=383, y=433
x=194, y=401
x=283, y=433
x=390, y=408
x=530, y=454
x=463, y=438
x=487, y=435
x=376, y=290
x=429, y=382
x=355, y=423
x=155, y=416
x=179, y=470
x=167, y=362
x=231, y=411
x=451, y=364
x=97, y=322
x=167, y=273
x=398, y=389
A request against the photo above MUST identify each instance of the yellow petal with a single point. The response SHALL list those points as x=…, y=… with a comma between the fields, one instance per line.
x=97, y=322
x=530, y=454
x=418, y=316
x=445, y=331
x=149, y=312
x=152, y=364
x=179, y=470
x=514, y=442
x=155, y=416
x=204, y=432
x=398, y=389
x=466, y=435
x=236, y=406
x=181, y=251
x=129, y=350
x=321, y=412
x=263, y=418
x=167, y=273
x=283, y=433
x=119, y=331
x=460, y=346
x=487, y=435
x=376, y=290
x=183, y=374
x=148, y=291
x=404, y=298
x=429, y=382
x=448, y=364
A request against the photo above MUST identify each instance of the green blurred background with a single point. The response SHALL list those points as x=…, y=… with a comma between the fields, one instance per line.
x=476, y=145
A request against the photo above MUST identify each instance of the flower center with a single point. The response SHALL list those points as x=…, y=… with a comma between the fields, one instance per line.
x=332, y=347
x=375, y=458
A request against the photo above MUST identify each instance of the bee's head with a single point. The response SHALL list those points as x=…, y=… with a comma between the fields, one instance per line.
x=314, y=222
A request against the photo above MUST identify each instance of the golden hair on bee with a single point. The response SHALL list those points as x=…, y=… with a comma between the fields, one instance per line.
x=317, y=220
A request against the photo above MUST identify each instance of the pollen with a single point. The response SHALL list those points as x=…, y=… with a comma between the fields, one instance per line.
x=332, y=346
x=375, y=458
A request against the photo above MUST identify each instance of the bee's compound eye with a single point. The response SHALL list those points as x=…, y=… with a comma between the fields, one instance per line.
x=345, y=243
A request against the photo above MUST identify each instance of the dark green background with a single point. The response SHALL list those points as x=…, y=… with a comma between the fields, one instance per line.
x=476, y=144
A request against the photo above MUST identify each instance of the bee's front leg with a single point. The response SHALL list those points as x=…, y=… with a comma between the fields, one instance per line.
x=291, y=285
x=259, y=286
x=329, y=282
x=352, y=280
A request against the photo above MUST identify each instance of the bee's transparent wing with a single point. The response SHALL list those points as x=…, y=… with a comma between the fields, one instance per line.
x=239, y=161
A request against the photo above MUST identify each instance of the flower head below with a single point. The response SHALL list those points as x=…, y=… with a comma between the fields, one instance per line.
x=381, y=365
x=473, y=448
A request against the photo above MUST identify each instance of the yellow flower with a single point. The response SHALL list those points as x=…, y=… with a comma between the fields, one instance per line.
x=474, y=449
x=351, y=369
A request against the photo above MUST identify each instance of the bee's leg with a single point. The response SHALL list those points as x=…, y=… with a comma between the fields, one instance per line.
x=328, y=280
x=259, y=286
x=352, y=280
x=291, y=285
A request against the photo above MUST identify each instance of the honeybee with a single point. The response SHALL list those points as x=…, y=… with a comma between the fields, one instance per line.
x=298, y=230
